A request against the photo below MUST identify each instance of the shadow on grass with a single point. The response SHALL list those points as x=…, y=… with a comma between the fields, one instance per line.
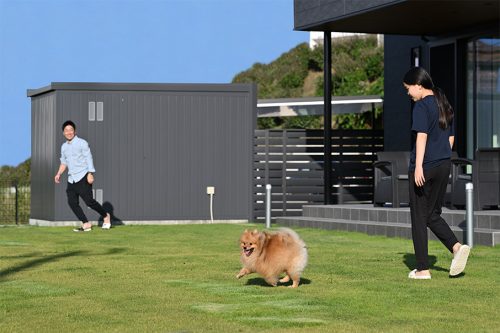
x=261, y=282
x=410, y=262
x=116, y=250
x=457, y=276
x=40, y=261
x=27, y=255
x=36, y=262
x=115, y=220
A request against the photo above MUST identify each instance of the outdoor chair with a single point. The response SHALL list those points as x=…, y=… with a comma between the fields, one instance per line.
x=485, y=178
x=459, y=177
x=391, y=178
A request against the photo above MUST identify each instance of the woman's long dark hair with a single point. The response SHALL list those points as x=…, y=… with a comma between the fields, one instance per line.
x=418, y=75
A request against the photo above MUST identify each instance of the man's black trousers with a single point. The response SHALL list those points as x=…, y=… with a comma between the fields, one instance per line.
x=84, y=190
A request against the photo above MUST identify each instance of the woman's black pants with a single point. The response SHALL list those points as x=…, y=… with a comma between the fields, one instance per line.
x=425, y=207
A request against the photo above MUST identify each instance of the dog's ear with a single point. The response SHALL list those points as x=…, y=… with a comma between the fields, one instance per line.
x=255, y=231
x=246, y=230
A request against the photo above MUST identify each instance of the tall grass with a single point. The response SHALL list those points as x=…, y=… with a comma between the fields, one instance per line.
x=182, y=279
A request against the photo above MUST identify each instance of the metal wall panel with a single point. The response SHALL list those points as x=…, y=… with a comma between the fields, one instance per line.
x=73, y=105
x=158, y=148
x=43, y=154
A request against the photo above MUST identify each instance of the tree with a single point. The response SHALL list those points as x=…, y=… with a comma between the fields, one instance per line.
x=20, y=174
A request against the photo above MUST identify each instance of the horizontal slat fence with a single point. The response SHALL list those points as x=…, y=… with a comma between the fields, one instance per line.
x=292, y=161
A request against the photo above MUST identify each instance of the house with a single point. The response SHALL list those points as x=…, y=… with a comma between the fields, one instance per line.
x=457, y=41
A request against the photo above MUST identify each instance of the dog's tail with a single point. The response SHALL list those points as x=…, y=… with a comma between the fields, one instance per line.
x=295, y=241
x=293, y=235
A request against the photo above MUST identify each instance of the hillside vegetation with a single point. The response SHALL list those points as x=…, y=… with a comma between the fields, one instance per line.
x=20, y=174
x=357, y=69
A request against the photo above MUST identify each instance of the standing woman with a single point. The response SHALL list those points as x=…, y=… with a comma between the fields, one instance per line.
x=429, y=171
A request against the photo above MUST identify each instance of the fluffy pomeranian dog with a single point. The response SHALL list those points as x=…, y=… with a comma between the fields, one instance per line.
x=272, y=253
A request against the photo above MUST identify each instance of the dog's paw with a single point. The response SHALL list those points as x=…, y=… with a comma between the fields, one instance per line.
x=242, y=272
x=285, y=279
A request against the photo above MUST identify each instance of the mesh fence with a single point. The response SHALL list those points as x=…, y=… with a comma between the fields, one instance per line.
x=14, y=203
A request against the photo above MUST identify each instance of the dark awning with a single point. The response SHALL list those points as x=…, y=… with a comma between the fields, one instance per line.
x=403, y=17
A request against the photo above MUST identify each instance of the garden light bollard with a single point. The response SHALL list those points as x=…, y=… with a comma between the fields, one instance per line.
x=268, y=205
x=469, y=212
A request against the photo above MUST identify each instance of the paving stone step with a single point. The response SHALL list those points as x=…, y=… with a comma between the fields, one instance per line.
x=482, y=236
x=482, y=219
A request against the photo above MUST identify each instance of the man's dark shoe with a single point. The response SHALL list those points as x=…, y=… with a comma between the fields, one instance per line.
x=81, y=229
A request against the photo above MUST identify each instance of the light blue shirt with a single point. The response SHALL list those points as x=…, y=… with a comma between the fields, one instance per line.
x=76, y=155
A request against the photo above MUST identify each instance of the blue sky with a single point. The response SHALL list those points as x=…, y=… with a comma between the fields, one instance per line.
x=169, y=41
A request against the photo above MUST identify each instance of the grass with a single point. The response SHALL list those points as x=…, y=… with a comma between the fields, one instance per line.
x=182, y=279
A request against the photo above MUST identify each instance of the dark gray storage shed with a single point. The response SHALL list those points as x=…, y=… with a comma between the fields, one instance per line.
x=156, y=149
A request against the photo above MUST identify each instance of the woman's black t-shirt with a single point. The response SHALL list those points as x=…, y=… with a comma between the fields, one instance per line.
x=426, y=120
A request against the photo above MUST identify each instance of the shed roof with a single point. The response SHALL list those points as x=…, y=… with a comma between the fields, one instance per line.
x=104, y=86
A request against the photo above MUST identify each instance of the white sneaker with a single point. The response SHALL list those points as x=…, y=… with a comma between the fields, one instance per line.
x=106, y=223
x=413, y=275
x=459, y=260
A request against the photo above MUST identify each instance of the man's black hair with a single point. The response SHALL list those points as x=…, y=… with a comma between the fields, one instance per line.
x=70, y=123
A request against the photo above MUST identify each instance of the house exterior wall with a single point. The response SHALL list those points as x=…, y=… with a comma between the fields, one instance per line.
x=460, y=73
x=397, y=104
x=155, y=151
x=458, y=43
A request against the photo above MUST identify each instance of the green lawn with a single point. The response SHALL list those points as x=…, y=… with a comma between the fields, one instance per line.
x=182, y=279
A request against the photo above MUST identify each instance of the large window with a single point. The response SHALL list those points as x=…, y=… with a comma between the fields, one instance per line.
x=483, y=94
